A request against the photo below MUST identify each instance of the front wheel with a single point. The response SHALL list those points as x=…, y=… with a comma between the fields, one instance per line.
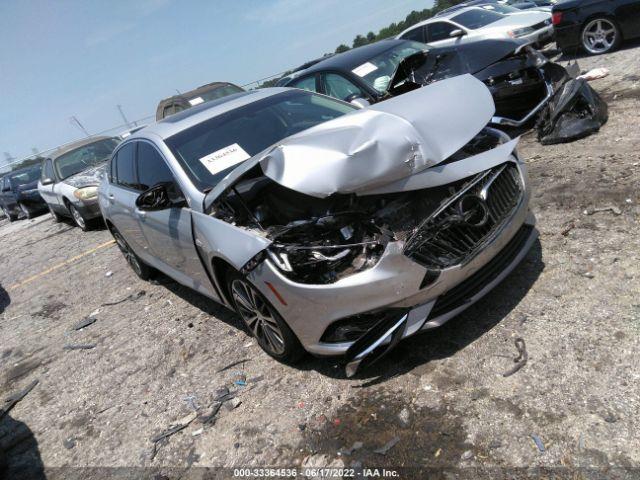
x=141, y=269
x=26, y=211
x=600, y=35
x=267, y=326
x=8, y=214
x=78, y=218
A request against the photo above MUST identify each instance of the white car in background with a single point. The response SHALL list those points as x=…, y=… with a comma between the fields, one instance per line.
x=472, y=24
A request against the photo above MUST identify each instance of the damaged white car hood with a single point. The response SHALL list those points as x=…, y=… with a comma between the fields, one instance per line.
x=392, y=140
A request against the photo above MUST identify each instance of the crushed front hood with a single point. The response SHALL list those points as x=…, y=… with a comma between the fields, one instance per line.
x=86, y=178
x=384, y=143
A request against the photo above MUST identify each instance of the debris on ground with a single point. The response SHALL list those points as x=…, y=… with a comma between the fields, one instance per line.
x=231, y=365
x=387, y=446
x=240, y=380
x=133, y=297
x=565, y=231
x=85, y=322
x=594, y=74
x=615, y=210
x=350, y=450
x=209, y=418
x=88, y=346
x=108, y=274
x=161, y=438
x=12, y=400
x=538, y=441
x=69, y=443
x=466, y=455
x=521, y=360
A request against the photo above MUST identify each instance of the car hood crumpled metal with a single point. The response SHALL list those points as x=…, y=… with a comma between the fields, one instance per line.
x=383, y=143
x=87, y=178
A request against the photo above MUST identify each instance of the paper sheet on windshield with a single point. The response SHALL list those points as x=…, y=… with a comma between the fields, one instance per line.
x=224, y=158
x=196, y=101
x=364, y=69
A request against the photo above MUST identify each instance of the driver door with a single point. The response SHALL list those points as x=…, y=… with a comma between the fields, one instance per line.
x=168, y=232
x=46, y=191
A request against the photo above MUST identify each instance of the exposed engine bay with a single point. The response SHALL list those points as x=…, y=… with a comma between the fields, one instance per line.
x=321, y=240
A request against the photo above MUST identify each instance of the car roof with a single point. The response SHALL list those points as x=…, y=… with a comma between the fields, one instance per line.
x=80, y=143
x=196, y=92
x=180, y=121
x=351, y=58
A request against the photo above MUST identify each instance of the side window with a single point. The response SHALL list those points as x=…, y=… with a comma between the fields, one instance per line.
x=308, y=83
x=337, y=86
x=417, y=35
x=125, y=174
x=439, y=31
x=47, y=170
x=152, y=168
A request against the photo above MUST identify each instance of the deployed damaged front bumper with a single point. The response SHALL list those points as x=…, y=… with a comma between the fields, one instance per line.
x=399, y=285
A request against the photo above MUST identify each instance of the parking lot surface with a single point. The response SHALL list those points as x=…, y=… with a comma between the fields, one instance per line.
x=161, y=353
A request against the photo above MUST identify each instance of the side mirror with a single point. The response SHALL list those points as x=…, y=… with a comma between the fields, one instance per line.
x=360, y=102
x=46, y=181
x=457, y=33
x=160, y=197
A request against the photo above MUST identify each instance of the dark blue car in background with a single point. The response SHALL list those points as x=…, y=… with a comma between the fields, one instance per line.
x=19, y=193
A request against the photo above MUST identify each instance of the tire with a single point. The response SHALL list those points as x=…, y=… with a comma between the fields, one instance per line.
x=56, y=216
x=10, y=217
x=26, y=211
x=263, y=321
x=141, y=269
x=600, y=35
x=78, y=219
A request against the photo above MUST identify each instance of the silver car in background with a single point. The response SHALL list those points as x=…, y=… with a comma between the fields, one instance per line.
x=472, y=24
x=70, y=178
x=327, y=228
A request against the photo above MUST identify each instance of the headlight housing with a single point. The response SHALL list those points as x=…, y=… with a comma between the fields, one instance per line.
x=86, y=193
x=519, y=32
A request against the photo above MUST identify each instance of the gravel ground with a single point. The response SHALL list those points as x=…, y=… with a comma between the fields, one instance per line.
x=160, y=354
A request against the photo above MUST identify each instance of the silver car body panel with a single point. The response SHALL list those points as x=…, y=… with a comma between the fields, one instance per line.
x=494, y=31
x=459, y=110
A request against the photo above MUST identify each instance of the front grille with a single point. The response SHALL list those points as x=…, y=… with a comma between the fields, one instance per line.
x=461, y=293
x=459, y=228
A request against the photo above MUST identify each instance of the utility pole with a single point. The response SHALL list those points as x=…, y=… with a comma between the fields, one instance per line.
x=74, y=121
x=123, y=116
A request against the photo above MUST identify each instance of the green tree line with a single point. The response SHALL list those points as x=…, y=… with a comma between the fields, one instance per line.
x=389, y=31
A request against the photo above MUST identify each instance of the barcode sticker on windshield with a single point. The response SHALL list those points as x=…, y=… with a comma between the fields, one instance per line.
x=224, y=158
x=196, y=101
x=364, y=69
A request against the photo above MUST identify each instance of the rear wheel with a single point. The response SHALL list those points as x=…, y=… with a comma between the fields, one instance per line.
x=600, y=35
x=267, y=326
x=141, y=269
x=9, y=215
x=26, y=211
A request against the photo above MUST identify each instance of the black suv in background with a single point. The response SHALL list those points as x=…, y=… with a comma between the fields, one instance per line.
x=19, y=193
x=205, y=93
x=595, y=26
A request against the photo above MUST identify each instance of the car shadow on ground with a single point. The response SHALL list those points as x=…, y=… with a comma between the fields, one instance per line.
x=19, y=454
x=453, y=336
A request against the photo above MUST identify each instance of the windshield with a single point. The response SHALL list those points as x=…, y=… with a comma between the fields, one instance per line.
x=476, y=18
x=503, y=9
x=84, y=157
x=210, y=150
x=377, y=71
x=215, y=94
x=24, y=177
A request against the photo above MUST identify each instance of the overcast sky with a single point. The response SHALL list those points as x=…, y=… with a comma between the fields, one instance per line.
x=63, y=58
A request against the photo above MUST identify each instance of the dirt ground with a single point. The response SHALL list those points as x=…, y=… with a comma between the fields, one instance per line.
x=160, y=354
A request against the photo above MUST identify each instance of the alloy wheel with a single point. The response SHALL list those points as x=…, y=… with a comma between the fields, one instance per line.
x=258, y=316
x=599, y=36
x=129, y=256
x=78, y=218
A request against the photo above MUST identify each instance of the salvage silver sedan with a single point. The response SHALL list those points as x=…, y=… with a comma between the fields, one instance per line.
x=327, y=228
